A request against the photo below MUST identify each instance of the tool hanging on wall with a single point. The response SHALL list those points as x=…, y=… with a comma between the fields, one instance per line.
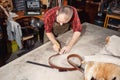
x=53, y=3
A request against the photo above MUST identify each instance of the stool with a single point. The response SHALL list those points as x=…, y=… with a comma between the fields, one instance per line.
x=108, y=16
x=27, y=41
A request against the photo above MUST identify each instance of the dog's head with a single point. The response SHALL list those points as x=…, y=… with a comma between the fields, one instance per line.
x=102, y=71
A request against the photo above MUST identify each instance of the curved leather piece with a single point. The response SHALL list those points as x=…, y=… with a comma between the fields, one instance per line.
x=75, y=67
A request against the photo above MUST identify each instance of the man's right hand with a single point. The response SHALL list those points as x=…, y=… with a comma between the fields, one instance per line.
x=56, y=47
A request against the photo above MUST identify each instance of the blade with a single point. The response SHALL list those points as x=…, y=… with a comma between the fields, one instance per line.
x=39, y=64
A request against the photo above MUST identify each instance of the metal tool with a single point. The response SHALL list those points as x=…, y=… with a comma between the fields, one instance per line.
x=39, y=64
x=44, y=65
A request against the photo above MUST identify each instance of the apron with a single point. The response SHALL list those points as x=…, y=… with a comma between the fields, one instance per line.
x=58, y=29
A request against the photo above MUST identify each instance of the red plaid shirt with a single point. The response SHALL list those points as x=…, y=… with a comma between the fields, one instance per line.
x=50, y=17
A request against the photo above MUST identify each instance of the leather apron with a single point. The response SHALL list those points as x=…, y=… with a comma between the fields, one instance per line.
x=58, y=29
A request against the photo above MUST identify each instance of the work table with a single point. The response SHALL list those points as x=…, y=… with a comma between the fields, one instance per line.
x=91, y=41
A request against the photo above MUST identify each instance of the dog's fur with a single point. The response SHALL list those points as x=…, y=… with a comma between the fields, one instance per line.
x=102, y=71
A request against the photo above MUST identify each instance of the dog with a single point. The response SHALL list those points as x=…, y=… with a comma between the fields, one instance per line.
x=101, y=71
x=106, y=64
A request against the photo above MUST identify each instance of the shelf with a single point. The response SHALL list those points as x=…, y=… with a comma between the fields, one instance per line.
x=19, y=5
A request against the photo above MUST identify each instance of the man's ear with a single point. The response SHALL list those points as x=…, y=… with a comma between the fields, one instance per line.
x=57, y=12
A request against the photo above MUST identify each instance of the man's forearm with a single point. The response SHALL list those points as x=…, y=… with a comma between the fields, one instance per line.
x=74, y=39
x=56, y=45
x=51, y=37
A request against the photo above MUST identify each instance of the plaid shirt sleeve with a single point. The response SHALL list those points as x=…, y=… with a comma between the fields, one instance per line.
x=76, y=24
x=48, y=24
x=49, y=19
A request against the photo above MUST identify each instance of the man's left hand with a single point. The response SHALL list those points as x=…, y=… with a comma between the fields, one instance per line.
x=65, y=49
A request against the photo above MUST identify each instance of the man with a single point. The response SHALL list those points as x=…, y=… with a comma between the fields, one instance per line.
x=59, y=18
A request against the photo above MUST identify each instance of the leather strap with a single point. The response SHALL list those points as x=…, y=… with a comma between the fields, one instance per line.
x=73, y=64
x=75, y=67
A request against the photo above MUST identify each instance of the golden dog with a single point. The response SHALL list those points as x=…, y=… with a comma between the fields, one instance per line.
x=102, y=71
x=95, y=70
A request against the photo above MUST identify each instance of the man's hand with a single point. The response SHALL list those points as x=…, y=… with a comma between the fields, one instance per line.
x=65, y=49
x=74, y=39
x=56, y=47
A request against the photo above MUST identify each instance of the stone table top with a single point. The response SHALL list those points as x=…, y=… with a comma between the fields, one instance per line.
x=91, y=41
